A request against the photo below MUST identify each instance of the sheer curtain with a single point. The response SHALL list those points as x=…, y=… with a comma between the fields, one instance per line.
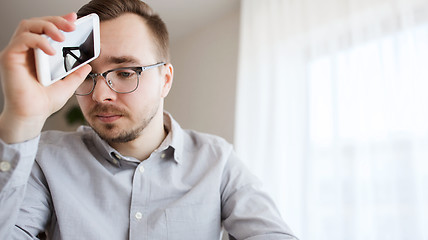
x=332, y=114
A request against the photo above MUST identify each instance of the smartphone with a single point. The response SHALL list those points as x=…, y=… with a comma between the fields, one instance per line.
x=80, y=46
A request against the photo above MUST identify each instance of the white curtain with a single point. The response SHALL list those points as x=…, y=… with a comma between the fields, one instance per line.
x=332, y=114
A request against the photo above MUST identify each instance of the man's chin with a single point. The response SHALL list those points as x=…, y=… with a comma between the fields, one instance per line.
x=106, y=132
x=111, y=133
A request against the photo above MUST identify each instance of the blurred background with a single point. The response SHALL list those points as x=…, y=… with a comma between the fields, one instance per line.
x=324, y=100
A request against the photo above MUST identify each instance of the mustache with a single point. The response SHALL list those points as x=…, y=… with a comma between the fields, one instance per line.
x=107, y=108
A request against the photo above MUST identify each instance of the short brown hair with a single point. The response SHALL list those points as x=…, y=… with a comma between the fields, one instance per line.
x=110, y=9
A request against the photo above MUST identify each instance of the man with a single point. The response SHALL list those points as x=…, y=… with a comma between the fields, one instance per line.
x=134, y=173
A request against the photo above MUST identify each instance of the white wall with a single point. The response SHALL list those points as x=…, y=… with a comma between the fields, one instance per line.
x=203, y=92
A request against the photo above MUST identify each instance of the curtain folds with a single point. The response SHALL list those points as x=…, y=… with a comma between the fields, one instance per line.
x=332, y=114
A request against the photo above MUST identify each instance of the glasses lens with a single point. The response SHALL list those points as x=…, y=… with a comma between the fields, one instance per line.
x=86, y=86
x=123, y=80
x=72, y=59
x=120, y=80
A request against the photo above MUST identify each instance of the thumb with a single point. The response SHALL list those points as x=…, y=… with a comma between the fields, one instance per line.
x=75, y=78
x=62, y=90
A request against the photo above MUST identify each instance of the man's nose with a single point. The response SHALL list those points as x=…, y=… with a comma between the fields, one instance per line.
x=102, y=92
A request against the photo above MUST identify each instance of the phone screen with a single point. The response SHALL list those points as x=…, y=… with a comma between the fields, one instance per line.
x=77, y=48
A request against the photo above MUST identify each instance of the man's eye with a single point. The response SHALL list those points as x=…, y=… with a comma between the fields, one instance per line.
x=125, y=74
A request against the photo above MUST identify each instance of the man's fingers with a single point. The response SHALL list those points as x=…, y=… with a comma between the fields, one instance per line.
x=50, y=26
x=71, y=17
x=29, y=35
x=49, y=29
x=27, y=40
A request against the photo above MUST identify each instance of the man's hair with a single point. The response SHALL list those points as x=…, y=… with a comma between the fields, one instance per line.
x=110, y=9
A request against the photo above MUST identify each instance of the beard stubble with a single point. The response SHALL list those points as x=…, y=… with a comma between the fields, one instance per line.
x=125, y=134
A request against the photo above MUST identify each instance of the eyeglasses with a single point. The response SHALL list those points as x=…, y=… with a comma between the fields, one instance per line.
x=74, y=56
x=71, y=57
x=120, y=80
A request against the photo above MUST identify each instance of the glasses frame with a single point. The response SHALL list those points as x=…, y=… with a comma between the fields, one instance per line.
x=138, y=70
x=68, y=51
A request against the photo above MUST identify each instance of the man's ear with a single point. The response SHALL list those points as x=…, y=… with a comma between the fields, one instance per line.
x=168, y=76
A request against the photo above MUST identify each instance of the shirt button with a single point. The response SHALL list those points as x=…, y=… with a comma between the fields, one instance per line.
x=163, y=155
x=4, y=166
x=115, y=155
x=138, y=215
x=141, y=169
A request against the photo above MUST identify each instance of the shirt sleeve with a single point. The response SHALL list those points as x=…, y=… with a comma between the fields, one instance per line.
x=16, y=162
x=247, y=211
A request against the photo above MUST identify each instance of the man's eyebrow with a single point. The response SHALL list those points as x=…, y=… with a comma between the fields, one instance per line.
x=122, y=59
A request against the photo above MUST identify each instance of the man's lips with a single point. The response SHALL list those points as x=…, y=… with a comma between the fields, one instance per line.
x=108, y=118
x=107, y=113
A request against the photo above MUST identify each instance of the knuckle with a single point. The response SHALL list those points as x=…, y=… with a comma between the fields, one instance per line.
x=49, y=26
x=25, y=36
x=24, y=23
x=53, y=19
x=5, y=57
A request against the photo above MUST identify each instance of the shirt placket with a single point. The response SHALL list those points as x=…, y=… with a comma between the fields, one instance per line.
x=138, y=210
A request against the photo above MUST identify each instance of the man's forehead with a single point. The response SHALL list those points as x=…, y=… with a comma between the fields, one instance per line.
x=122, y=59
x=124, y=42
x=126, y=60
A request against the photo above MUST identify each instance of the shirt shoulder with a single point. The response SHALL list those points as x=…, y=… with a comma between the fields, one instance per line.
x=200, y=138
x=197, y=146
x=194, y=139
x=60, y=150
x=60, y=138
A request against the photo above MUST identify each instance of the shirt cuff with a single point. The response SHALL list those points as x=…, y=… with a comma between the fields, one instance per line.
x=16, y=161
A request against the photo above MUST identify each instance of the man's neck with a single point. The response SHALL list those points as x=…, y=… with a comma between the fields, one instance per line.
x=148, y=141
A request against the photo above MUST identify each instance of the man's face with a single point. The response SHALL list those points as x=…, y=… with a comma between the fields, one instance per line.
x=126, y=42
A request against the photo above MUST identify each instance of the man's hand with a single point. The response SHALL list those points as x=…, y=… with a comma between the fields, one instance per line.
x=28, y=103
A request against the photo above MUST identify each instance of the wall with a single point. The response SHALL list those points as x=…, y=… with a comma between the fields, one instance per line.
x=203, y=92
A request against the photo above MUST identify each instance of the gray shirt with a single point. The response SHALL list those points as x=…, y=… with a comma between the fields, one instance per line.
x=75, y=186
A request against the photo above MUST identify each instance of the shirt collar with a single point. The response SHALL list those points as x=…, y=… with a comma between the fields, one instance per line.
x=174, y=139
